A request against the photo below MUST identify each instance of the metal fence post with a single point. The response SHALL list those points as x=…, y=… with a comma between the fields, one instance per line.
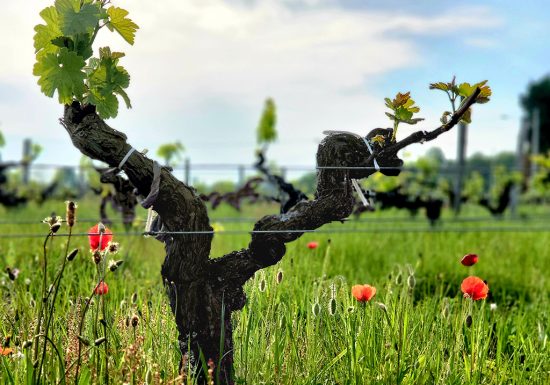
x=187, y=171
x=26, y=162
x=460, y=163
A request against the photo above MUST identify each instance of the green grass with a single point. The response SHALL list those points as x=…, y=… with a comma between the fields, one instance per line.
x=307, y=329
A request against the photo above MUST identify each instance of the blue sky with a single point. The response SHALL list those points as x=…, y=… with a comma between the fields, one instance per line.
x=201, y=70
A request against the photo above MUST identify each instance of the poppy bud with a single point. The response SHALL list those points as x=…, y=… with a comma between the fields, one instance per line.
x=469, y=259
x=101, y=288
x=99, y=341
x=312, y=245
x=469, y=321
x=134, y=298
x=135, y=320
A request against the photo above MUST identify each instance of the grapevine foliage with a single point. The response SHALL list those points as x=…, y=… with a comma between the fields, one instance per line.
x=64, y=54
x=462, y=91
x=403, y=107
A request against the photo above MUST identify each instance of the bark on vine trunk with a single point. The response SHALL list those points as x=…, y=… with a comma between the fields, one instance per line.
x=204, y=292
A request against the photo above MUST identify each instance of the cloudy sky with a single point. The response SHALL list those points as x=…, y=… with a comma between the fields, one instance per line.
x=201, y=70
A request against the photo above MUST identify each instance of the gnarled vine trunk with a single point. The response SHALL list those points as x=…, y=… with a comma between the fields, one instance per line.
x=204, y=292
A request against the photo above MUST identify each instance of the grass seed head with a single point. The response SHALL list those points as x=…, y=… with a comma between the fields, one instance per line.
x=70, y=215
x=135, y=320
x=72, y=255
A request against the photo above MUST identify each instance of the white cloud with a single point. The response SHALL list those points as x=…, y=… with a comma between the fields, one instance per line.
x=315, y=63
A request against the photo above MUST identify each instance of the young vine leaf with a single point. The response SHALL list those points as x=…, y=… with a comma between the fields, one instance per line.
x=463, y=90
x=403, y=109
x=119, y=22
x=64, y=54
x=61, y=72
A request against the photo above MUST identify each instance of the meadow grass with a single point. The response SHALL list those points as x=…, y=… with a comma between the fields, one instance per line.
x=300, y=324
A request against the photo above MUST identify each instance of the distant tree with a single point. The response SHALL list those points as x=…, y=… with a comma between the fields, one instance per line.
x=266, y=130
x=537, y=97
x=171, y=153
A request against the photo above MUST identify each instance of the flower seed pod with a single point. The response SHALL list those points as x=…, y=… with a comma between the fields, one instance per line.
x=411, y=281
x=72, y=255
x=332, y=306
x=70, y=215
x=262, y=285
x=446, y=308
x=316, y=309
x=135, y=320
x=399, y=279
x=279, y=277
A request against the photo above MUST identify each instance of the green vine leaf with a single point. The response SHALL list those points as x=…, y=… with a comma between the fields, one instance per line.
x=76, y=19
x=105, y=79
x=403, y=109
x=46, y=33
x=119, y=22
x=61, y=71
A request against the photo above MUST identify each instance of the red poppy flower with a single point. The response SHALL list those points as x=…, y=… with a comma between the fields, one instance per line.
x=469, y=259
x=474, y=288
x=313, y=245
x=101, y=288
x=5, y=351
x=363, y=293
x=94, y=237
